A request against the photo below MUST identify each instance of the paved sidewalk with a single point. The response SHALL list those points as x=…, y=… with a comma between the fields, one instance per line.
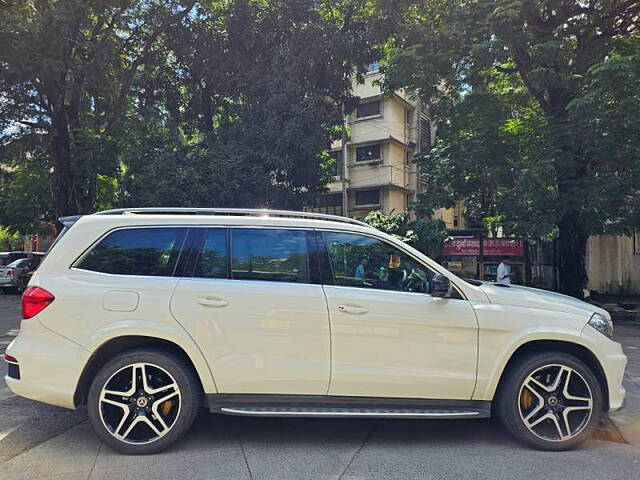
x=43, y=442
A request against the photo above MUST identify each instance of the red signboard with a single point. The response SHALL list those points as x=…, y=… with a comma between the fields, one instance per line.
x=491, y=247
x=462, y=247
x=496, y=247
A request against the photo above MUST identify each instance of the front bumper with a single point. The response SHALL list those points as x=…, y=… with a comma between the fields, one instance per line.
x=613, y=362
x=50, y=365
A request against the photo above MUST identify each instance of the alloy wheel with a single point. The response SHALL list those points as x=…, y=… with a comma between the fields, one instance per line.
x=140, y=403
x=555, y=403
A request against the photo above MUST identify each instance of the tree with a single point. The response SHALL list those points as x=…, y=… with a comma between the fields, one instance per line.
x=424, y=234
x=67, y=70
x=536, y=101
x=262, y=87
x=9, y=240
x=206, y=102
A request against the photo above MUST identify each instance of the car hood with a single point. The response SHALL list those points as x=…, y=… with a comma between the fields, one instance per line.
x=536, y=298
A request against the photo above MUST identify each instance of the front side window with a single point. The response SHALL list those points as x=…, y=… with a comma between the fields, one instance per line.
x=361, y=261
x=368, y=153
x=274, y=255
x=136, y=251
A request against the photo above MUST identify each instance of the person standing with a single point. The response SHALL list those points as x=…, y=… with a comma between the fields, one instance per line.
x=504, y=274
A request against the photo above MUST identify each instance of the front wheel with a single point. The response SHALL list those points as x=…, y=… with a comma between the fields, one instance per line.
x=551, y=401
x=143, y=400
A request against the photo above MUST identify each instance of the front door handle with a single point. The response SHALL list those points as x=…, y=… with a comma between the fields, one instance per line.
x=213, y=302
x=353, y=310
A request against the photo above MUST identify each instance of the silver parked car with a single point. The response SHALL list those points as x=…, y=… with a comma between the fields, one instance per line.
x=16, y=275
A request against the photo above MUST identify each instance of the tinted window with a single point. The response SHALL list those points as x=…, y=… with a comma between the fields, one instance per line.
x=368, y=109
x=18, y=263
x=136, y=251
x=368, y=197
x=360, y=261
x=270, y=254
x=212, y=259
x=368, y=153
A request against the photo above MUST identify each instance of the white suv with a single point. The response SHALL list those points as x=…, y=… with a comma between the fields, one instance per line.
x=144, y=315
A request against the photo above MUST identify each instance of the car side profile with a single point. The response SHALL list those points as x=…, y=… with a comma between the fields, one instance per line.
x=147, y=315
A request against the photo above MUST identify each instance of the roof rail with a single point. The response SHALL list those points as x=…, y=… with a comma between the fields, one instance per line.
x=231, y=212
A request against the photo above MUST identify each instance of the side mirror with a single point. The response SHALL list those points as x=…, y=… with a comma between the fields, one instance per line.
x=441, y=286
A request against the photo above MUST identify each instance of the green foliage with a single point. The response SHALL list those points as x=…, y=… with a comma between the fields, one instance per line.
x=25, y=196
x=178, y=102
x=9, y=240
x=536, y=103
x=424, y=234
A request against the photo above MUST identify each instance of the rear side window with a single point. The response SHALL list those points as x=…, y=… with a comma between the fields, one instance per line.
x=136, y=251
x=212, y=259
x=270, y=254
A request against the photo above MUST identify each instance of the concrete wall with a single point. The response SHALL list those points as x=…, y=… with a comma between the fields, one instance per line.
x=612, y=264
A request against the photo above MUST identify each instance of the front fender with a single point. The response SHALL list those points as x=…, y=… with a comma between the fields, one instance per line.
x=504, y=329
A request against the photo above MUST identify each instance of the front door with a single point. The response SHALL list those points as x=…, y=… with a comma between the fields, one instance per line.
x=389, y=336
x=260, y=322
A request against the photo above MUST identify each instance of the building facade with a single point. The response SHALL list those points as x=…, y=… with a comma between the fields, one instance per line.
x=386, y=131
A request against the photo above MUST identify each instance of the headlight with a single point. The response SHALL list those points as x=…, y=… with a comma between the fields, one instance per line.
x=602, y=324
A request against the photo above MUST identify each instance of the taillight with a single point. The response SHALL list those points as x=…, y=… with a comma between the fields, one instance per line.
x=34, y=300
x=10, y=273
x=9, y=359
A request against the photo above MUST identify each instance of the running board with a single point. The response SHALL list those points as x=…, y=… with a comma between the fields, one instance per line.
x=351, y=412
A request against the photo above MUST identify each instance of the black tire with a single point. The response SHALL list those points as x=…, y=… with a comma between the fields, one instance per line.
x=511, y=396
x=163, y=361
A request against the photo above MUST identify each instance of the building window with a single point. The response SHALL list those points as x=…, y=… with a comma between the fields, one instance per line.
x=425, y=132
x=336, y=169
x=368, y=197
x=368, y=109
x=369, y=153
x=331, y=200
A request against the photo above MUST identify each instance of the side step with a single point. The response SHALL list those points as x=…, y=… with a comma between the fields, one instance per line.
x=350, y=412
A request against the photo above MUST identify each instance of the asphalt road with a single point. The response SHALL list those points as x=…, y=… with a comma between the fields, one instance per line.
x=39, y=441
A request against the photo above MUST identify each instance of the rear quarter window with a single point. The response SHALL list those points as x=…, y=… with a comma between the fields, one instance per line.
x=136, y=251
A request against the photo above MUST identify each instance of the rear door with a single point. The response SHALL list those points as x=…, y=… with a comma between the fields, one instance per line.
x=250, y=302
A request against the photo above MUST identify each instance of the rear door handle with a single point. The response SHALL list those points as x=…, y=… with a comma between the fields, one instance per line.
x=213, y=302
x=353, y=310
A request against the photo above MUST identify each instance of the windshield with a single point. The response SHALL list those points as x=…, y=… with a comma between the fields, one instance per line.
x=18, y=263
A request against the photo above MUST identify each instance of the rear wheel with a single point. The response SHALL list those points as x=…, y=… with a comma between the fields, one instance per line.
x=551, y=401
x=143, y=400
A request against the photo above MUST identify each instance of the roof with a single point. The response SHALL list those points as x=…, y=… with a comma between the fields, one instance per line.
x=235, y=212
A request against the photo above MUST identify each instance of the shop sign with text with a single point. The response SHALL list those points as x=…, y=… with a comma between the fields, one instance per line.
x=495, y=247
x=462, y=247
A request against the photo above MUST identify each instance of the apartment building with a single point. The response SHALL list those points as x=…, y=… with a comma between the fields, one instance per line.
x=385, y=132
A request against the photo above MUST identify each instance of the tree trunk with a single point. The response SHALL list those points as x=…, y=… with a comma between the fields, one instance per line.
x=572, y=244
x=63, y=182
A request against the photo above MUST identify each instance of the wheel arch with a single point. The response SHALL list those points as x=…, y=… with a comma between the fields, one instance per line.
x=117, y=345
x=579, y=351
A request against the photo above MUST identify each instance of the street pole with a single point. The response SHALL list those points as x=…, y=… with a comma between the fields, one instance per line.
x=345, y=171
